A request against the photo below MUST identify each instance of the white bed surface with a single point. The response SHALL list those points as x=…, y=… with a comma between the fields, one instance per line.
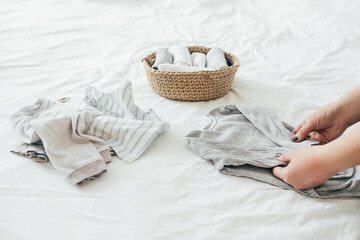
x=295, y=57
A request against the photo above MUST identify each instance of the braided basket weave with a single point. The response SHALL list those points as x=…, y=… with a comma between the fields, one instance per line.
x=192, y=86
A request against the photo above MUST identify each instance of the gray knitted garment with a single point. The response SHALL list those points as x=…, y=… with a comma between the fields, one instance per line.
x=243, y=141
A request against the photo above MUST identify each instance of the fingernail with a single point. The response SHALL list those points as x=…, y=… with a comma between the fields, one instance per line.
x=294, y=138
x=278, y=155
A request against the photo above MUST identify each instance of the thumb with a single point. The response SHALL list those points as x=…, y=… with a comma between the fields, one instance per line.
x=285, y=157
x=303, y=132
x=318, y=137
x=279, y=172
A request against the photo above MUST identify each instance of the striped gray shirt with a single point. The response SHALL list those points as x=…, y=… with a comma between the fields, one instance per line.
x=126, y=128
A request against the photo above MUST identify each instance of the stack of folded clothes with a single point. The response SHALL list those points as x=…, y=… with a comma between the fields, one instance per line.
x=179, y=59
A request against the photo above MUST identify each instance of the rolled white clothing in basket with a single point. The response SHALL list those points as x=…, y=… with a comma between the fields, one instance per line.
x=179, y=68
x=198, y=59
x=162, y=56
x=215, y=59
x=181, y=55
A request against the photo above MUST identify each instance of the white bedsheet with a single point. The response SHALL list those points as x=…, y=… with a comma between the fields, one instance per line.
x=295, y=56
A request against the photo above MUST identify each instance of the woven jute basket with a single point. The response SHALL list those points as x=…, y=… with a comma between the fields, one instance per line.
x=192, y=86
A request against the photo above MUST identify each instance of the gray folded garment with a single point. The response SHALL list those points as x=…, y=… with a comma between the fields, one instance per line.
x=181, y=55
x=162, y=56
x=215, y=59
x=244, y=140
x=198, y=59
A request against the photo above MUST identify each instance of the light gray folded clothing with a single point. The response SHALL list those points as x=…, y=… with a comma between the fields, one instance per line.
x=162, y=56
x=198, y=59
x=42, y=108
x=181, y=55
x=215, y=59
x=59, y=128
x=179, y=68
x=244, y=140
x=78, y=156
x=116, y=119
x=111, y=119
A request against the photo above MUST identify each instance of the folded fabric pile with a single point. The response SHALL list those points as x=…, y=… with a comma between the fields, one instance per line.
x=178, y=59
x=244, y=140
x=79, y=135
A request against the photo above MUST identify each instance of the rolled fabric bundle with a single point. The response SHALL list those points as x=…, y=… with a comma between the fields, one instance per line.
x=181, y=55
x=162, y=56
x=180, y=68
x=215, y=59
x=198, y=59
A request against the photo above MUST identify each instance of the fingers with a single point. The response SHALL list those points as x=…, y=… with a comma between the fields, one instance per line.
x=302, y=131
x=296, y=129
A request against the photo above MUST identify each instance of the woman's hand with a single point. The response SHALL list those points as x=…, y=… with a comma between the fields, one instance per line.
x=324, y=125
x=311, y=166
x=306, y=168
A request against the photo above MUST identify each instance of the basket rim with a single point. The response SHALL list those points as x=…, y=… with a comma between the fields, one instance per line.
x=234, y=59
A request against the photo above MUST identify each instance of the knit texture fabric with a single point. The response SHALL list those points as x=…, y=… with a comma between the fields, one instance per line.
x=244, y=140
x=74, y=154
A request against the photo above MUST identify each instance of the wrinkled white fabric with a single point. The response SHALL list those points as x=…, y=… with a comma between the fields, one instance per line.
x=293, y=58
